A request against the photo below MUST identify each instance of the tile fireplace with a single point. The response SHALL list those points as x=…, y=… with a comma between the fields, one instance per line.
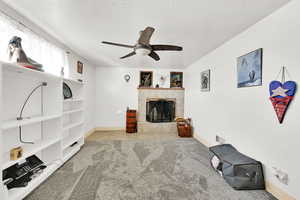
x=158, y=107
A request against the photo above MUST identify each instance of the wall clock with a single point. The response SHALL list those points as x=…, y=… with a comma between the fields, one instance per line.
x=127, y=78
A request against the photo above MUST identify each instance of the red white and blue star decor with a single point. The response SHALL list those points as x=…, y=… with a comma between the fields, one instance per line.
x=281, y=95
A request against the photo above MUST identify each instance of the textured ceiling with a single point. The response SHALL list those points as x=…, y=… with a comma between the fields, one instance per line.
x=198, y=25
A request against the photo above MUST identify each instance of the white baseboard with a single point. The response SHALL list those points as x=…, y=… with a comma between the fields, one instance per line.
x=87, y=134
x=277, y=192
x=201, y=140
x=109, y=129
x=270, y=187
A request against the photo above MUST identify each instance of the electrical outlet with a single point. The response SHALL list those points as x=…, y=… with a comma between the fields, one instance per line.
x=220, y=140
x=280, y=175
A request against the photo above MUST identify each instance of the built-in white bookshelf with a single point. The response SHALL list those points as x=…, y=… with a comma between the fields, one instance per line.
x=54, y=125
x=73, y=120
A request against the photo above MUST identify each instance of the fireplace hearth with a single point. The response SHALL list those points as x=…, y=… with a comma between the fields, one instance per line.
x=160, y=110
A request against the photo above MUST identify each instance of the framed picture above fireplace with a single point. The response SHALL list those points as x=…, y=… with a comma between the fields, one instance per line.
x=176, y=79
x=146, y=79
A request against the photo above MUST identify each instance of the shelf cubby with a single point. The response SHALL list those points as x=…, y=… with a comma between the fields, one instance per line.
x=72, y=125
x=20, y=193
x=28, y=150
x=70, y=151
x=27, y=121
x=67, y=142
x=68, y=112
x=73, y=100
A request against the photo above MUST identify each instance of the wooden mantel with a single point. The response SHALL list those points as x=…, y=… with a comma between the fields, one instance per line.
x=151, y=88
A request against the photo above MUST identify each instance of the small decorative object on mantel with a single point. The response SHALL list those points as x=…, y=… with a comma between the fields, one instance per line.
x=16, y=153
x=79, y=67
x=205, y=81
x=282, y=94
x=127, y=77
x=157, y=86
x=18, y=55
x=162, y=80
x=249, y=69
x=146, y=78
x=176, y=79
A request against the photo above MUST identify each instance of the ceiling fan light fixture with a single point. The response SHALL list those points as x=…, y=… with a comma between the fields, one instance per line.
x=143, y=46
x=142, y=51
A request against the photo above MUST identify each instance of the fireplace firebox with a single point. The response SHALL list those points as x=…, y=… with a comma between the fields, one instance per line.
x=160, y=110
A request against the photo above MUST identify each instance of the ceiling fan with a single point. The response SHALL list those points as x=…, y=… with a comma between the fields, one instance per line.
x=143, y=46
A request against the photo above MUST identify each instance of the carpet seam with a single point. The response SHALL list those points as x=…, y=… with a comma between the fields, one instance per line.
x=75, y=184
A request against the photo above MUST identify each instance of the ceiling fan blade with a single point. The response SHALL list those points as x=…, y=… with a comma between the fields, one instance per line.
x=117, y=44
x=154, y=55
x=146, y=35
x=128, y=55
x=161, y=47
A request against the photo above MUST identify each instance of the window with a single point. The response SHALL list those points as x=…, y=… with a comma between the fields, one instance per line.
x=35, y=47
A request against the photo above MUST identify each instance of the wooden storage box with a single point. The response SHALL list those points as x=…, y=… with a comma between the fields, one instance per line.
x=131, y=121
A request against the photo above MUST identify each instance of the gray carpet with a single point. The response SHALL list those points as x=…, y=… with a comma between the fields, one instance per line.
x=176, y=169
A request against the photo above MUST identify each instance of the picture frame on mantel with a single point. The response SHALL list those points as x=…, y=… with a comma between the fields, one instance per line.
x=79, y=67
x=146, y=79
x=176, y=79
x=205, y=81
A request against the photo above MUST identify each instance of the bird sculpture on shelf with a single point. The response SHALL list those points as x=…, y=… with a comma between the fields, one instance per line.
x=18, y=55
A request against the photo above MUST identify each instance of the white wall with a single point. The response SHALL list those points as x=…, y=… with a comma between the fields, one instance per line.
x=114, y=94
x=245, y=117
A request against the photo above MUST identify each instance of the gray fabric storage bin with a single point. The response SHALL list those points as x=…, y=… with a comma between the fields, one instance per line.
x=240, y=171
